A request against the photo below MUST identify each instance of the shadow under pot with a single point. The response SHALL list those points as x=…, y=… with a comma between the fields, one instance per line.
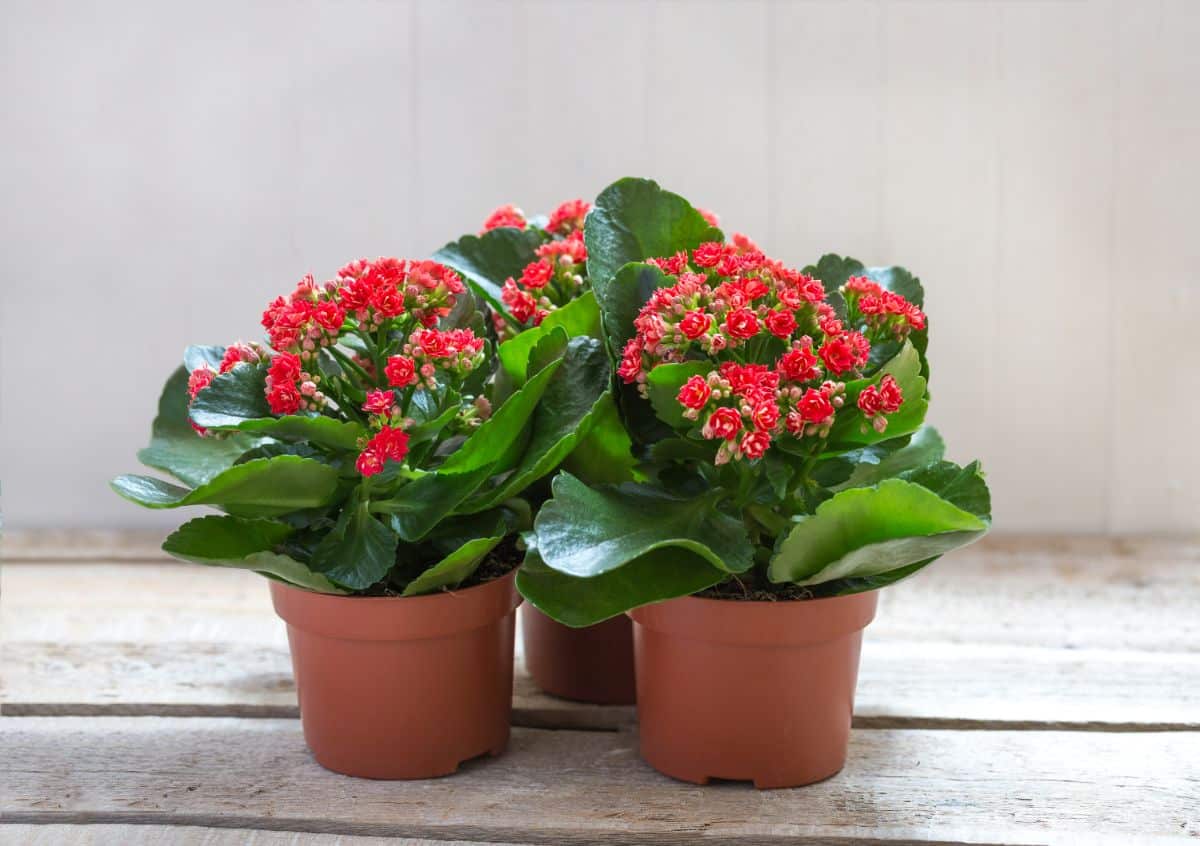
x=592, y=664
x=748, y=691
x=402, y=687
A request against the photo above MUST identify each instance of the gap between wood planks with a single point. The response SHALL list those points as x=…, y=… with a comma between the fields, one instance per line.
x=1015, y=633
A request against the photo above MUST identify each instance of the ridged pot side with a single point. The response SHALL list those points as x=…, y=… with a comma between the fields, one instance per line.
x=592, y=664
x=753, y=691
x=402, y=687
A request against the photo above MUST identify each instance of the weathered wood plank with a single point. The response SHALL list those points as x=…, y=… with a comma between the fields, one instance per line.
x=930, y=685
x=565, y=787
x=186, y=835
x=1009, y=616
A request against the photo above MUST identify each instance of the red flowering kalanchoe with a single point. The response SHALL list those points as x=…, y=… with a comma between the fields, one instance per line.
x=557, y=276
x=388, y=309
x=778, y=355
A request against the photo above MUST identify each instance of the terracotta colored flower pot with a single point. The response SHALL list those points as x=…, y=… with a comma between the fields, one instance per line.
x=593, y=664
x=403, y=687
x=758, y=691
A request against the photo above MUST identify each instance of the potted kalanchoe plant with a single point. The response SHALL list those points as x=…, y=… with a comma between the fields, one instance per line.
x=533, y=272
x=371, y=462
x=788, y=476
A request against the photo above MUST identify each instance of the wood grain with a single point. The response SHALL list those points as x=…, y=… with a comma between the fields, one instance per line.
x=564, y=787
x=52, y=834
x=1011, y=633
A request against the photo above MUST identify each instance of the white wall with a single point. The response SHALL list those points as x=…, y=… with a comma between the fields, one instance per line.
x=168, y=168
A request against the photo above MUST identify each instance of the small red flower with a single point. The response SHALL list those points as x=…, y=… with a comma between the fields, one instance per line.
x=781, y=324
x=379, y=402
x=390, y=443
x=765, y=415
x=284, y=398
x=330, y=315
x=521, y=304
x=508, y=215
x=631, y=361
x=844, y=352
x=743, y=244
x=671, y=265
x=754, y=444
x=695, y=323
x=709, y=254
x=798, y=365
x=694, y=393
x=890, y=395
x=814, y=406
x=741, y=323
x=401, y=371
x=722, y=423
x=369, y=463
x=568, y=217
x=537, y=274
x=709, y=217
x=869, y=401
x=199, y=379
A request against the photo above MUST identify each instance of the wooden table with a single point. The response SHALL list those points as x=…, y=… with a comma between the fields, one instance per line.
x=1025, y=690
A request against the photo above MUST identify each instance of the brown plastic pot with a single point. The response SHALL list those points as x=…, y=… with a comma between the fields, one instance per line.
x=402, y=687
x=755, y=691
x=593, y=664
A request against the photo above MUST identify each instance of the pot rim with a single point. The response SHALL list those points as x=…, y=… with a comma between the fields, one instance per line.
x=750, y=623
x=396, y=618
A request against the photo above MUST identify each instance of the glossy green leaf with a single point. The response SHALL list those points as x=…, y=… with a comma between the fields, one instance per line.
x=586, y=531
x=661, y=574
x=487, y=260
x=245, y=544
x=419, y=505
x=664, y=382
x=962, y=486
x=635, y=219
x=605, y=454
x=233, y=398
x=561, y=420
x=872, y=464
x=455, y=568
x=358, y=551
x=866, y=531
x=578, y=318
x=264, y=487
x=175, y=447
x=899, y=281
x=623, y=297
x=201, y=355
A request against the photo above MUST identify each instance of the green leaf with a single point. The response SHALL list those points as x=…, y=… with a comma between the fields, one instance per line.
x=963, y=486
x=851, y=429
x=487, y=260
x=622, y=298
x=244, y=544
x=664, y=382
x=455, y=568
x=605, y=454
x=232, y=398
x=635, y=219
x=199, y=355
x=658, y=575
x=866, y=531
x=586, y=531
x=870, y=465
x=313, y=428
x=264, y=487
x=175, y=447
x=580, y=317
x=419, y=505
x=899, y=281
x=562, y=419
x=358, y=551
x=833, y=271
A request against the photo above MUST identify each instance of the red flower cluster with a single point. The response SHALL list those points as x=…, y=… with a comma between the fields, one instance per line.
x=390, y=443
x=772, y=339
x=290, y=388
x=310, y=317
x=456, y=351
x=882, y=311
x=555, y=278
x=508, y=215
x=380, y=290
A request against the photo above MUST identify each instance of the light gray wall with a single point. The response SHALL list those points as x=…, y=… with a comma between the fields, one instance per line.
x=168, y=168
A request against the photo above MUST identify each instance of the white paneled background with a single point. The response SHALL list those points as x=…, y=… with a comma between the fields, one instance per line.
x=168, y=168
